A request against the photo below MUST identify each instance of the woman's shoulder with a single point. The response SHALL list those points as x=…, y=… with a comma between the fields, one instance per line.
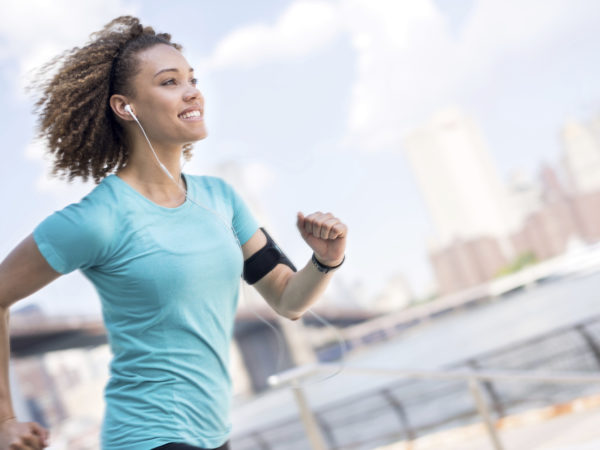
x=96, y=212
x=81, y=234
x=101, y=200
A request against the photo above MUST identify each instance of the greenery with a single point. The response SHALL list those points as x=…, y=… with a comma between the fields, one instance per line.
x=523, y=260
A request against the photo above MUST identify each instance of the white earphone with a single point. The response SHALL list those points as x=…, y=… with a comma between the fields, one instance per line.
x=160, y=164
x=128, y=109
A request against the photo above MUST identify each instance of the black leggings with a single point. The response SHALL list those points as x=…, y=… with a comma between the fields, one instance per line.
x=178, y=446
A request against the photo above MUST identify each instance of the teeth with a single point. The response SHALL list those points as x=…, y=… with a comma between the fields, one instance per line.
x=194, y=113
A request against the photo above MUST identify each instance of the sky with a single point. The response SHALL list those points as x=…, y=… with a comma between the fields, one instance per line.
x=310, y=102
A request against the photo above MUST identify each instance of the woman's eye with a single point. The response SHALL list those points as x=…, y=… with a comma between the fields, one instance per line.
x=194, y=81
x=168, y=82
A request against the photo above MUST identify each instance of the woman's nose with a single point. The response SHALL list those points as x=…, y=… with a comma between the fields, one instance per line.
x=192, y=93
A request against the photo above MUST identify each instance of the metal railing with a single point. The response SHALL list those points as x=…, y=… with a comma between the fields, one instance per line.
x=293, y=378
x=555, y=367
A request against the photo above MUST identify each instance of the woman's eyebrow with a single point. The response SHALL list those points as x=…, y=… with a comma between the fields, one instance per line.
x=170, y=69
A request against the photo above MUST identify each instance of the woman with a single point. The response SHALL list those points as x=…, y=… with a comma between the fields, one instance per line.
x=161, y=247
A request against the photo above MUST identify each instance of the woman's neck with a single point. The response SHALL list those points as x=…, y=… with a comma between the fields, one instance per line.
x=144, y=173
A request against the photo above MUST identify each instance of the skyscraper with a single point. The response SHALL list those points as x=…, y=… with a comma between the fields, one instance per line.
x=582, y=155
x=457, y=178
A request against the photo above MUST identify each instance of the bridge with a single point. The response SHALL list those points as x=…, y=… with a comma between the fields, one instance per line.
x=33, y=332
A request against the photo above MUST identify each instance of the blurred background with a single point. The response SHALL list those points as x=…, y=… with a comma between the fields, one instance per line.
x=459, y=140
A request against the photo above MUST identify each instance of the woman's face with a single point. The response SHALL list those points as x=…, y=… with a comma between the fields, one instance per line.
x=167, y=102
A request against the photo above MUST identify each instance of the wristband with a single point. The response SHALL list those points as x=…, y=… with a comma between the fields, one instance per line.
x=322, y=267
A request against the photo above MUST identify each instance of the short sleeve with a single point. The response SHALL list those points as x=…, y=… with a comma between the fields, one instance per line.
x=73, y=238
x=243, y=221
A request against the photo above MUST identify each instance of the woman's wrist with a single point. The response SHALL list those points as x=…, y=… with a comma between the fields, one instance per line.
x=7, y=418
x=326, y=266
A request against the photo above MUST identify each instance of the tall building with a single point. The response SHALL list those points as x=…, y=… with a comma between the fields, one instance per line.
x=595, y=126
x=457, y=178
x=582, y=155
x=548, y=229
x=526, y=194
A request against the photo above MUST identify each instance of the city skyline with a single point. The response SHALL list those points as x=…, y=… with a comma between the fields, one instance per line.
x=523, y=221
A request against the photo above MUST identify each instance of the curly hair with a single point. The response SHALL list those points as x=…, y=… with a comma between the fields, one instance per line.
x=75, y=118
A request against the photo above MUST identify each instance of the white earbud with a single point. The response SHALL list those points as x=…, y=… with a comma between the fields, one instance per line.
x=129, y=110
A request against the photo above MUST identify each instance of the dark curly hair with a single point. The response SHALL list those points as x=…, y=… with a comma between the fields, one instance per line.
x=75, y=118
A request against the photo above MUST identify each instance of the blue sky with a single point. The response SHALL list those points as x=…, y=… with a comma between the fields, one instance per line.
x=311, y=100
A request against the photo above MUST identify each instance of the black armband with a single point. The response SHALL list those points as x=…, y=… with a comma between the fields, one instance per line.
x=265, y=260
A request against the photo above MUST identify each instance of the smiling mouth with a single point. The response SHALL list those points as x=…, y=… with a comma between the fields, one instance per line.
x=196, y=114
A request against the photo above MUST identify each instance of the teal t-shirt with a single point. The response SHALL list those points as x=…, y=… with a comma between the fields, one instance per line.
x=168, y=280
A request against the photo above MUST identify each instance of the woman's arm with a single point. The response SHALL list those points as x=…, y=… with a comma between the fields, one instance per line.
x=23, y=272
x=290, y=293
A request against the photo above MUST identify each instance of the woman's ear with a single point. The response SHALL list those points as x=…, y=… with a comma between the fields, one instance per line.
x=117, y=104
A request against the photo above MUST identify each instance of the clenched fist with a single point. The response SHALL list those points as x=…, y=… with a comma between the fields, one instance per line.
x=325, y=234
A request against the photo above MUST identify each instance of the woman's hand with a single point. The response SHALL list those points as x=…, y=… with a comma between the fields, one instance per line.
x=325, y=235
x=22, y=435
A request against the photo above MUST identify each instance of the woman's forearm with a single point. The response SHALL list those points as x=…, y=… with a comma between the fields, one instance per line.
x=302, y=290
x=290, y=293
x=6, y=406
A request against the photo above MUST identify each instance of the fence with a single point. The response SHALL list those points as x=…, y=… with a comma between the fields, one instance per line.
x=551, y=368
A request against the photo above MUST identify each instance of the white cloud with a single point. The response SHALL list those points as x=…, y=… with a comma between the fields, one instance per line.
x=515, y=25
x=388, y=36
x=304, y=27
x=391, y=40
x=34, y=31
x=411, y=63
x=37, y=151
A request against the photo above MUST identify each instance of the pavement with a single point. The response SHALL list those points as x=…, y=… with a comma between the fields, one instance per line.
x=572, y=426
